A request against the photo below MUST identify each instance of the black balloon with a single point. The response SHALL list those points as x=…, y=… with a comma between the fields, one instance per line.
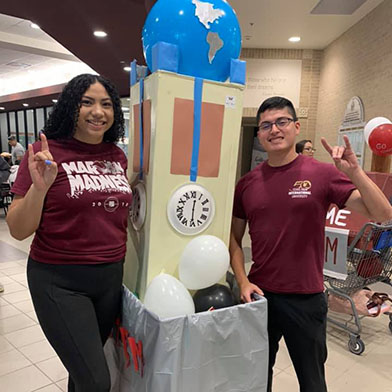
x=217, y=296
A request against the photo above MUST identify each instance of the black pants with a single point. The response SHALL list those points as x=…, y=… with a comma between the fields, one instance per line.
x=301, y=320
x=76, y=306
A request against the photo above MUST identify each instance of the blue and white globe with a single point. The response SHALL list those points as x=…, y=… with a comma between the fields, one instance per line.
x=207, y=33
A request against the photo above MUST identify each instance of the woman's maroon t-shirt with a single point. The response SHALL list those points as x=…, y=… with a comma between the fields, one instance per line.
x=85, y=212
x=286, y=208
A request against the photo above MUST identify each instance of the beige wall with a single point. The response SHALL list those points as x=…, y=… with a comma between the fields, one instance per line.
x=357, y=63
x=311, y=65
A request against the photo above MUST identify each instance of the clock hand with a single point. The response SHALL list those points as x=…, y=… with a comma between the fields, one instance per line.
x=193, y=209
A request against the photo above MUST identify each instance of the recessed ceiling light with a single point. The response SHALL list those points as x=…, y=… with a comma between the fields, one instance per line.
x=25, y=104
x=295, y=39
x=34, y=26
x=128, y=69
x=54, y=100
x=2, y=108
x=100, y=34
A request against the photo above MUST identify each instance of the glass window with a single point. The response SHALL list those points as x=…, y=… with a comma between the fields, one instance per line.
x=21, y=126
x=30, y=126
x=12, y=124
x=124, y=145
x=4, y=131
x=40, y=119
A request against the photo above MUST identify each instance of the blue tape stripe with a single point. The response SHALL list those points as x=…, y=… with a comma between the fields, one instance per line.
x=141, y=94
x=197, y=100
x=133, y=76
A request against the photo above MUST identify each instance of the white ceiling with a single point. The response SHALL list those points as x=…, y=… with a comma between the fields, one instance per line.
x=25, y=52
x=275, y=21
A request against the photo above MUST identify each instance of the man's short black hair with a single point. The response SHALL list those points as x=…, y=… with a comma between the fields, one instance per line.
x=11, y=138
x=276, y=103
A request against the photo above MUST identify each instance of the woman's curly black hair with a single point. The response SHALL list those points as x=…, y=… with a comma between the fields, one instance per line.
x=62, y=120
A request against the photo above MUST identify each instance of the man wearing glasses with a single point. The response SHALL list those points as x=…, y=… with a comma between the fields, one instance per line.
x=285, y=200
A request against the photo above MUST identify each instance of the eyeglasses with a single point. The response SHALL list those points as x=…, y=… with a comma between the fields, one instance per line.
x=309, y=149
x=280, y=123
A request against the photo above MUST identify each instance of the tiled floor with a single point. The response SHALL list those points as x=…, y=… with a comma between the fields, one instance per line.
x=28, y=363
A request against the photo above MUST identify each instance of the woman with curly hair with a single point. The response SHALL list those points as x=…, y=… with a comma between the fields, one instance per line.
x=73, y=193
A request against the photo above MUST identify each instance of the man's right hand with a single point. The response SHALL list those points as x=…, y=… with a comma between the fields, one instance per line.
x=247, y=289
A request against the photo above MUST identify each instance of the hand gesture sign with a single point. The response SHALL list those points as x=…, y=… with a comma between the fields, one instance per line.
x=43, y=170
x=344, y=157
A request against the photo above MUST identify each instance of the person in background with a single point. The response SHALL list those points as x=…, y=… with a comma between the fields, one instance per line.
x=7, y=157
x=13, y=173
x=4, y=175
x=17, y=150
x=285, y=201
x=13, y=169
x=72, y=192
x=305, y=147
x=4, y=170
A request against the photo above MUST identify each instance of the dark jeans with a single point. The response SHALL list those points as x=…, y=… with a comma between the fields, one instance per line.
x=76, y=306
x=301, y=320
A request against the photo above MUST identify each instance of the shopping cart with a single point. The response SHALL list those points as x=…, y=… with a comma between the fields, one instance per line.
x=369, y=260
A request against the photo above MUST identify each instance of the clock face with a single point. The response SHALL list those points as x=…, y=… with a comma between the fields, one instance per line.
x=191, y=209
x=137, y=212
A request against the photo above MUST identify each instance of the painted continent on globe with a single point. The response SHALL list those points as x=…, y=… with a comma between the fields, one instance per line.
x=215, y=43
x=208, y=14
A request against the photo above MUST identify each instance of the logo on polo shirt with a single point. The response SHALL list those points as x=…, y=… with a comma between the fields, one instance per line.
x=301, y=189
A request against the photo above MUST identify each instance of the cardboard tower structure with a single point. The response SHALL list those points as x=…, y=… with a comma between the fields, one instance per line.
x=183, y=148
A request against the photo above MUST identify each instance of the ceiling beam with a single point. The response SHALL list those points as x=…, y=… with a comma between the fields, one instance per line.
x=34, y=46
x=35, y=98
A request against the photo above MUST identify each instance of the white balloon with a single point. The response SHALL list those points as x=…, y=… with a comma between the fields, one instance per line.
x=374, y=123
x=167, y=297
x=204, y=261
